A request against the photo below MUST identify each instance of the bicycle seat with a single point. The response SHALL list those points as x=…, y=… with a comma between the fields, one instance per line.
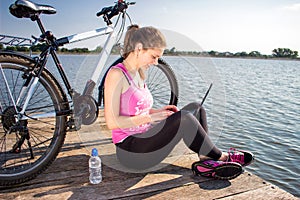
x=28, y=9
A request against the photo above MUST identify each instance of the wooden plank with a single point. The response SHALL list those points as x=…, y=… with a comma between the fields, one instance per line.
x=208, y=189
x=157, y=185
x=70, y=168
x=67, y=177
x=172, y=180
x=268, y=192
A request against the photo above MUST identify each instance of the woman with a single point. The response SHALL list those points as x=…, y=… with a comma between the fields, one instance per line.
x=145, y=136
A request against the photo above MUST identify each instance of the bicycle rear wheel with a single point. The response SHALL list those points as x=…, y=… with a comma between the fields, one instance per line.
x=161, y=81
x=28, y=146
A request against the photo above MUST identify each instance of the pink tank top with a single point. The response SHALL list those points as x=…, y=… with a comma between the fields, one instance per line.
x=134, y=101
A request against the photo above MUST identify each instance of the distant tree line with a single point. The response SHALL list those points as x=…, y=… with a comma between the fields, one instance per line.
x=285, y=53
x=276, y=53
x=41, y=47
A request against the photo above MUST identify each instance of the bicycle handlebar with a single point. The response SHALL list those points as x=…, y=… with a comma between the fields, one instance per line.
x=111, y=11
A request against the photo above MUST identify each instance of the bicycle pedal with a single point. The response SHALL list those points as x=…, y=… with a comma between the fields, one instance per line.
x=74, y=124
x=73, y=128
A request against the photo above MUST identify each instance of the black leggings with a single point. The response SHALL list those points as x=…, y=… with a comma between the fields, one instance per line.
x=145, y=150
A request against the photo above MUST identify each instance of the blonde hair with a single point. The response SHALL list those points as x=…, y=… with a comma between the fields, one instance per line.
x=149, y=37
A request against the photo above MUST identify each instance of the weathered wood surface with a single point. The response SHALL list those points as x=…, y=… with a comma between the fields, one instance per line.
x=67, y=177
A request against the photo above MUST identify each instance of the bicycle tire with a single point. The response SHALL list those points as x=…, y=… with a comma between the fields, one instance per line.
x=46, y=135
x=161, y=81
x=163, y=86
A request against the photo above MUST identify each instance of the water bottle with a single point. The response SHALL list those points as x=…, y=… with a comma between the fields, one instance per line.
x=95, y=167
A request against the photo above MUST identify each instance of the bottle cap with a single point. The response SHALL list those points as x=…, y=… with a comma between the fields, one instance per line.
x=94, y=152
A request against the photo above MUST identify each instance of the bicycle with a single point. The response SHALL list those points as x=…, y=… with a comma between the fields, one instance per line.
x=37, y=111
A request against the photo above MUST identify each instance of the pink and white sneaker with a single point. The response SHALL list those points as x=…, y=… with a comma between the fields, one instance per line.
x=217, y=169
x=239, y=156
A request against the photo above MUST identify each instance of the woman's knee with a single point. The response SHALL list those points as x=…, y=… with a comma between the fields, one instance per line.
x=186, y=115
x=188, y=122
x=192, y=106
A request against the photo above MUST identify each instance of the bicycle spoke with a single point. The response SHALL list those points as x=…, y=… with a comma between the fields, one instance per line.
x=28, y=143
x=15, y=84
x=161, y=82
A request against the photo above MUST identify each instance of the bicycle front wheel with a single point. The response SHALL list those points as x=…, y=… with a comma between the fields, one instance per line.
x=28, y=146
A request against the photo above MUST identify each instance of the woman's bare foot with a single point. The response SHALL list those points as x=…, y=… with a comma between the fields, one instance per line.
x=224, y=156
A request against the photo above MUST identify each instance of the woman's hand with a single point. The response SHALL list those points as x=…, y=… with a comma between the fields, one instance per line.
x=160, y=115
x=168, y=107
x=172, y=108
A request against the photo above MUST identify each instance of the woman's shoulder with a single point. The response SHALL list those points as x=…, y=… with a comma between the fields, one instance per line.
x=117, y=69
x=115, y=73
x=119, y=66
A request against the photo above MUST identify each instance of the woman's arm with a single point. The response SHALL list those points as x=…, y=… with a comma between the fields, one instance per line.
x=114, y=84
x=172, y=108
x=160, y=114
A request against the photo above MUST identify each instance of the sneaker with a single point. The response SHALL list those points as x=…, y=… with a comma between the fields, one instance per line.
x=242, y=157
x=217, y=169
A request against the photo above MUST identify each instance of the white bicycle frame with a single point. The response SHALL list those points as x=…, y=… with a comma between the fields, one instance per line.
x=106, y=49
x=111, y=40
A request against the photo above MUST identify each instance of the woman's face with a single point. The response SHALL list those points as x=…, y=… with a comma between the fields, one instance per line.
x=149, y=57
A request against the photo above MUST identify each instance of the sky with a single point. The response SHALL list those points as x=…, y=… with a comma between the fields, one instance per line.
x=202, y=25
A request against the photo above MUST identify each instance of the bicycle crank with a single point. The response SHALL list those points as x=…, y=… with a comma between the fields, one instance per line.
x=86, y=108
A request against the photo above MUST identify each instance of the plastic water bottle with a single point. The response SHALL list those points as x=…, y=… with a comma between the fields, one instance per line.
x=95, y=167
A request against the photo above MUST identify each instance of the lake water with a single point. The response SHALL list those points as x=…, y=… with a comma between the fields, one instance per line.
x=253, y=105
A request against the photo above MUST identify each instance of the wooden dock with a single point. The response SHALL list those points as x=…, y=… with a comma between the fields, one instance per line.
x=67, y=177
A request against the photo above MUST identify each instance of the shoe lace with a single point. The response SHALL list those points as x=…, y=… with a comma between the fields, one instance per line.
x=234, y=155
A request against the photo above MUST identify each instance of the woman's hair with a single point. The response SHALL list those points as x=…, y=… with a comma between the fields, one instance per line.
x=149, y=37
